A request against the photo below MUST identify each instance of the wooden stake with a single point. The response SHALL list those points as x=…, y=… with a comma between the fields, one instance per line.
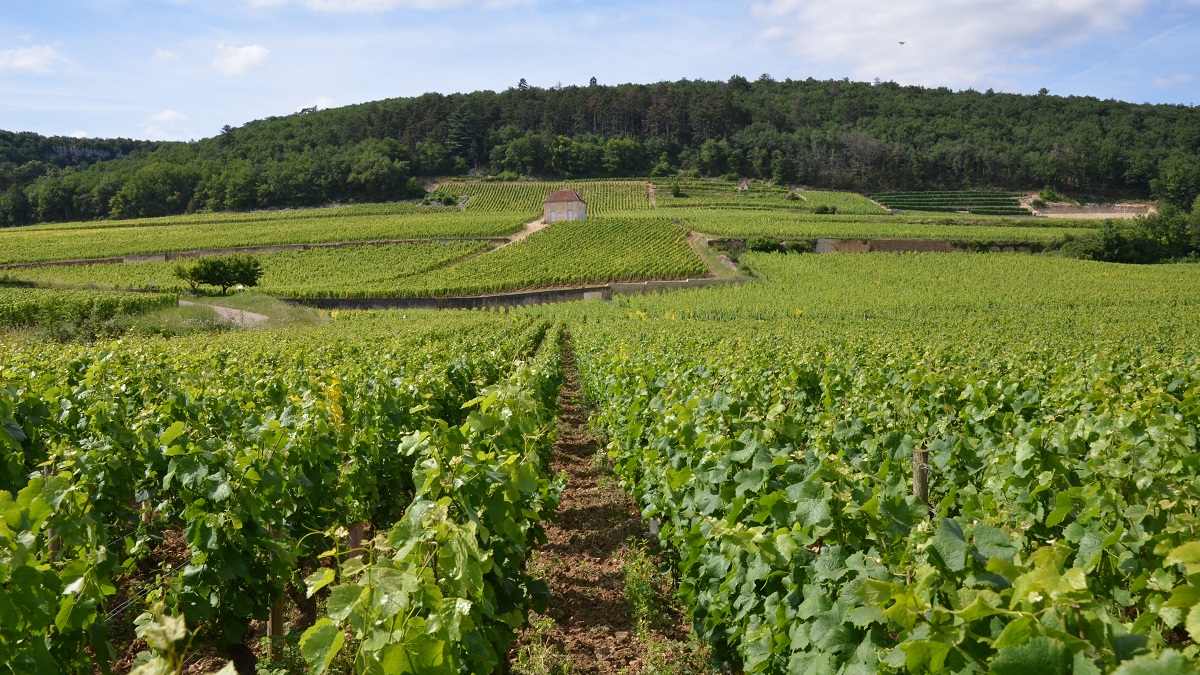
x=51, y=537
x=275, y=622
x=355, y=538
x=921, y=474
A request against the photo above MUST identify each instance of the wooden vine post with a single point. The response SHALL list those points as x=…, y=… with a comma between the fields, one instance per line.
x=921, y=474
x=354, y=539
x=51, y=536
x=275, y=621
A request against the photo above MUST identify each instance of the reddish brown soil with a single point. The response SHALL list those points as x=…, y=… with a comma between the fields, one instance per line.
x=596, y=524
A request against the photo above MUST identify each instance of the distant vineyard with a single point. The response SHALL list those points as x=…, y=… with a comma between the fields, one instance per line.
x=784, y=225
x=726, y=195
x=985, y=202
x=600, y=250
x=380, y=209
x=38, y=244
x=314, y=273
x=526, y=197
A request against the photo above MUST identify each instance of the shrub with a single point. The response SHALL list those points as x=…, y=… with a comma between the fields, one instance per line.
x=763, y=244
x=825, y=209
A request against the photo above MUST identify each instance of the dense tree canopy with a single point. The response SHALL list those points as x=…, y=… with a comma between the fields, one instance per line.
x=835, y=134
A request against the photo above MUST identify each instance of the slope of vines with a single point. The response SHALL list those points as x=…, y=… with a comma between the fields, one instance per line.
x=257, y=451
x=777, y=432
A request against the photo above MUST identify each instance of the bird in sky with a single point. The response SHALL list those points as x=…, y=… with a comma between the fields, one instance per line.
x=901, y=43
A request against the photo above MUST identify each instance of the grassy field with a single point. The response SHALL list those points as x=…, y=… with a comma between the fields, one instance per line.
x=38, y=244
x=317, y=272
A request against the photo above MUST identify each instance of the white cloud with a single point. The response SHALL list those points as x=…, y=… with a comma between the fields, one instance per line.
x=320, y=104
x=39, y=59
x=1173, y=80
x=165, y=55
x=232, y=60
x=79, y=134
x=385, y=5
x=169, y=116
x=958, y=43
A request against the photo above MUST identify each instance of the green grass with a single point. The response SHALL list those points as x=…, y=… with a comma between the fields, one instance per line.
x=39, y=244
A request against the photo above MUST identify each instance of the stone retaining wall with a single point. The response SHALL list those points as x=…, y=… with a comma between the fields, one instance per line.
x=525, y=298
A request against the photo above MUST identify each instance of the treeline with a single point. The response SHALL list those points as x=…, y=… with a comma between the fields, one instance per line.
x=834, y=134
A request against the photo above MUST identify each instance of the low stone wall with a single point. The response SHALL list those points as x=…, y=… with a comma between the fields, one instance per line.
x=658, y=286
x=525, y=298
x=463, y=302
x=1098, y=209
x=830, y=245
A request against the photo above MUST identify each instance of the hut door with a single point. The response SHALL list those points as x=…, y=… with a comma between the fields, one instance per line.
x=552, y=216
x=570, y=215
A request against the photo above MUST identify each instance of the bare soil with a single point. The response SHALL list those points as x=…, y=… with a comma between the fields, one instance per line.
x=596, y=526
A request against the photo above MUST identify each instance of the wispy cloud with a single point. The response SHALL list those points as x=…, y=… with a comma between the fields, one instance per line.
x=957, y=44
x=169, y=116
x=78, y=134
x=165, y=55
x=1173, y=80
x=384, y=5
x=39, y=59
x=320, y=104
x=234, y=60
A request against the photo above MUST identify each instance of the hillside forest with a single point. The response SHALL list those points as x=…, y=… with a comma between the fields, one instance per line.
x=831, y=134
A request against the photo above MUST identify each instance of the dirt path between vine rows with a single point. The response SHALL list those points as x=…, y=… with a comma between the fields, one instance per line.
x=581, y=561
x=237, y=316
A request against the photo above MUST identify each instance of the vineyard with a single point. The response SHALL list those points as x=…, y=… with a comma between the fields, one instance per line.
x=380, y=209
x=40, y=244
x=983, y=202
x=256, y=453
x=592, y=251
x=602, y=197
x=21, y=307
x=789, y=226
x=312, y=273
x=774, y=435
x=759, y=196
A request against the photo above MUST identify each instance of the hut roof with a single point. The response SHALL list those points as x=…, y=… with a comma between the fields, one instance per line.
x=563, y=196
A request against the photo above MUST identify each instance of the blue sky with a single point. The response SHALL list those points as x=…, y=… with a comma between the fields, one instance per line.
x=181, y=69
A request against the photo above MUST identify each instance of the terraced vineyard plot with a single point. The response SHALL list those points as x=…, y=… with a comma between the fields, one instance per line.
x=984, y=202
x=348, y=211
x=38, y=306
x=602, y=197
x=591, y=251
x=353, y=271
x=788, y=226
x=773, y=429
x=33, y=245
x=726, y=195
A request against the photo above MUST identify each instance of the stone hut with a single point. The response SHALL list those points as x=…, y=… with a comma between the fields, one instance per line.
x=564, y=205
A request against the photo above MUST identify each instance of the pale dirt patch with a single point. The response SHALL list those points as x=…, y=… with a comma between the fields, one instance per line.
x=237, y=316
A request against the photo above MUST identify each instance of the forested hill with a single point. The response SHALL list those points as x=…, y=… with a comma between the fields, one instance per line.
x=836, y=134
